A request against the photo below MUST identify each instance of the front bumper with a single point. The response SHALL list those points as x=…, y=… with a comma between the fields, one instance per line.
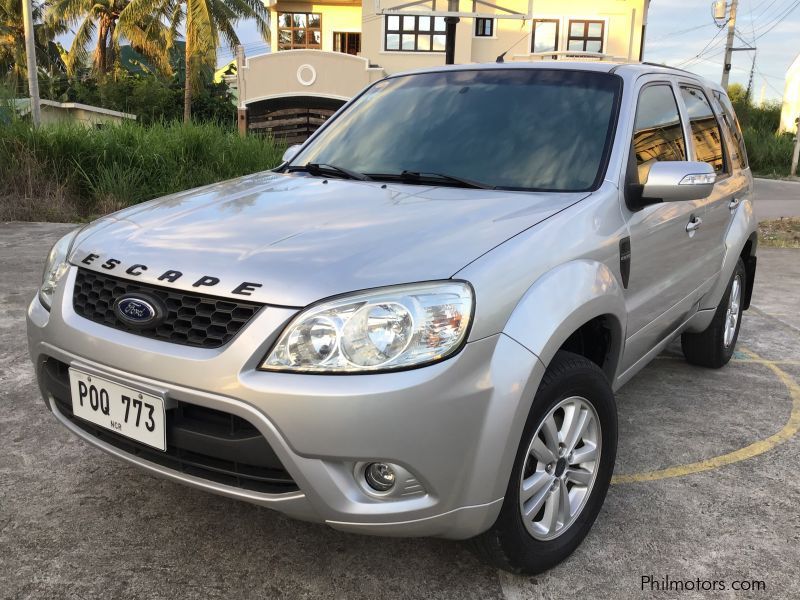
x=455, y=425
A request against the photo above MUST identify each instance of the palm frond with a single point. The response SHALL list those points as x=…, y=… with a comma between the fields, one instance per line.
x=78, y=54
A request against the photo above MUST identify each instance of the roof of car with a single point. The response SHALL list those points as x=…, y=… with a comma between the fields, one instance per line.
x=600, y=66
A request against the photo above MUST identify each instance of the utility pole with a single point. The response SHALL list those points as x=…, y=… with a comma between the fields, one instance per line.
x=30, y=51
x=750, y=80
x=450, y=30
x=796, y=153
x=726, y=67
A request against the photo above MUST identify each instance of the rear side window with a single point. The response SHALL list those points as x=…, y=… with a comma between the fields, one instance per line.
x=657, y=132
x=706, y=134
x=738, y=153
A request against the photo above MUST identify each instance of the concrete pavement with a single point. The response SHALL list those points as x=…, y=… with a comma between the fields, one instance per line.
x=776, y=198
x=75, y=523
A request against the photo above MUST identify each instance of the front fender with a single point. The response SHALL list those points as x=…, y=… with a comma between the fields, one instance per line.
x=564, y=299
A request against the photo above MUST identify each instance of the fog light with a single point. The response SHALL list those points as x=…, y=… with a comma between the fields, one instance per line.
x=380, y=476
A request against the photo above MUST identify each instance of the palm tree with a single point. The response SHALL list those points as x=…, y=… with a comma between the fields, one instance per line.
x=12, y=42
x=206, y=24
x=101, y=18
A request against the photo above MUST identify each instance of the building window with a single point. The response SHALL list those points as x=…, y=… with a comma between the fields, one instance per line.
x=299, y=30
x=405, y=33
x=586, y=36
x=484, y=27
x=347, y=42
x=545, y=35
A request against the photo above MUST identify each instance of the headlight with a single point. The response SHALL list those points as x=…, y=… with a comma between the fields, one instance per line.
x=54, y=268
x=389, y=328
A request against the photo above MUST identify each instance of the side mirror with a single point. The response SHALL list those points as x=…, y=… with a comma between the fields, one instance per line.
x=674, y=181
x=291, y=152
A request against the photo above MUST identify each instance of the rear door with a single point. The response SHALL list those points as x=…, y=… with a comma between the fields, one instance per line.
x=708, y=144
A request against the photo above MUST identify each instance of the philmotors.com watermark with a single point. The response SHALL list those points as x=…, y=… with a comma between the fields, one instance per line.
x=666, y=583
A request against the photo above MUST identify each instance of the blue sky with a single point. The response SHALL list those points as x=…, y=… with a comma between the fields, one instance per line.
x=679, y=30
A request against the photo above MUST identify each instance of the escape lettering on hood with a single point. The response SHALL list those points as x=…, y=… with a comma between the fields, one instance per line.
x=246, y=288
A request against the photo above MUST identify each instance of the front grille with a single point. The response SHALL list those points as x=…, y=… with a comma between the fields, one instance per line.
x=203, y=442
x=191, y=319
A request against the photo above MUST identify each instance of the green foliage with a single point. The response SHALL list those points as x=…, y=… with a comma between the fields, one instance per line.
x=101, y=170
x=151, y=98
x=737, y=93
x=769, y=153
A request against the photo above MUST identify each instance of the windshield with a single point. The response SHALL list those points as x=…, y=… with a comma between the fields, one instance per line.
x=529, y=129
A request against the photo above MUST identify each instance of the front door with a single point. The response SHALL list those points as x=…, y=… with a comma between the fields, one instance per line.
x=666, y=266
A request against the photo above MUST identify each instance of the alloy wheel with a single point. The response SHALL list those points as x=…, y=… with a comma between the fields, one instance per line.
x=733, y=312
x=560, y=468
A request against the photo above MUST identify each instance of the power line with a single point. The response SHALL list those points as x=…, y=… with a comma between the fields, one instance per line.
x=765, y=29
x=769, y=85
x=703, y=51
x=681, y=32
x=766, y=8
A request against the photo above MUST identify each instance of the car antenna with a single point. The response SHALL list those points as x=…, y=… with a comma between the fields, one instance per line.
x=501, y=58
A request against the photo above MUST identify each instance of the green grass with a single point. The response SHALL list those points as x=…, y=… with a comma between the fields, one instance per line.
x=69, y=172
x=770, y=154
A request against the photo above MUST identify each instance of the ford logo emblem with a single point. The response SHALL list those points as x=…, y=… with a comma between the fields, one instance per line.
x=136, y=311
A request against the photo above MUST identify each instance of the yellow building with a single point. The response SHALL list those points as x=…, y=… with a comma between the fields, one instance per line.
x=325, y=52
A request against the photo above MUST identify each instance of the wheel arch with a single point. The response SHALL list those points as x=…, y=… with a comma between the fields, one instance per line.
x=741, y=241
x=578, y=306
x=748, y=256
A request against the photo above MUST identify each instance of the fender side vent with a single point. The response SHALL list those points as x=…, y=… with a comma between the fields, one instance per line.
x=625, y=260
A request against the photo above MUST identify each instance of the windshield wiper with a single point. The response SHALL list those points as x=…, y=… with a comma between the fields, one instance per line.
x=328, y=169
x=433, y=177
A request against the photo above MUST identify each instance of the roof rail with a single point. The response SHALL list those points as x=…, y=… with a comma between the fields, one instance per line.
x=652, y=64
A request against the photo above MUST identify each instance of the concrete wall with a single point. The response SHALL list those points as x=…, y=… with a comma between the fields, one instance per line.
x=52, y=114
x=790, y=109
x=305, y=73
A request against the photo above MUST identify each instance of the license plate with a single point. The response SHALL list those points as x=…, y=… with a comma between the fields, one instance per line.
x=118, y=408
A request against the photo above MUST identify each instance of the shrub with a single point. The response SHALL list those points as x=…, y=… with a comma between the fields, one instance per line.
x=769, y=153
x=98, y=170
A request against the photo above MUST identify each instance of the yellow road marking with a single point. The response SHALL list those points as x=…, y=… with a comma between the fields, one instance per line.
x=761, y=361
x=791, y=427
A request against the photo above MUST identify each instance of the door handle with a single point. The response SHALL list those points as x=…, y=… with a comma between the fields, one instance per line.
x=693, y=225
x=733, y=204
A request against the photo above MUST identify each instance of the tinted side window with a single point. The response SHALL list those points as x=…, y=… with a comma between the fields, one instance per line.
x=739, y=153
x=657, y=132
x=706, y=135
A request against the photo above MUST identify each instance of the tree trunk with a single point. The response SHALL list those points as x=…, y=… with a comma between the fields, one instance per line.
x=187, y=70
x=100, y=49
x=110, y=57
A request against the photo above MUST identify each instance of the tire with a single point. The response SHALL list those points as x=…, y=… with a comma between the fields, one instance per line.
x=522, y=545
x=714, y=347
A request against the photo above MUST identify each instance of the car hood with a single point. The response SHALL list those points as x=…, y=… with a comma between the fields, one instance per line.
x=298, y=239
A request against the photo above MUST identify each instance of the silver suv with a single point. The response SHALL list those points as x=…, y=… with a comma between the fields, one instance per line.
x=416, y=324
